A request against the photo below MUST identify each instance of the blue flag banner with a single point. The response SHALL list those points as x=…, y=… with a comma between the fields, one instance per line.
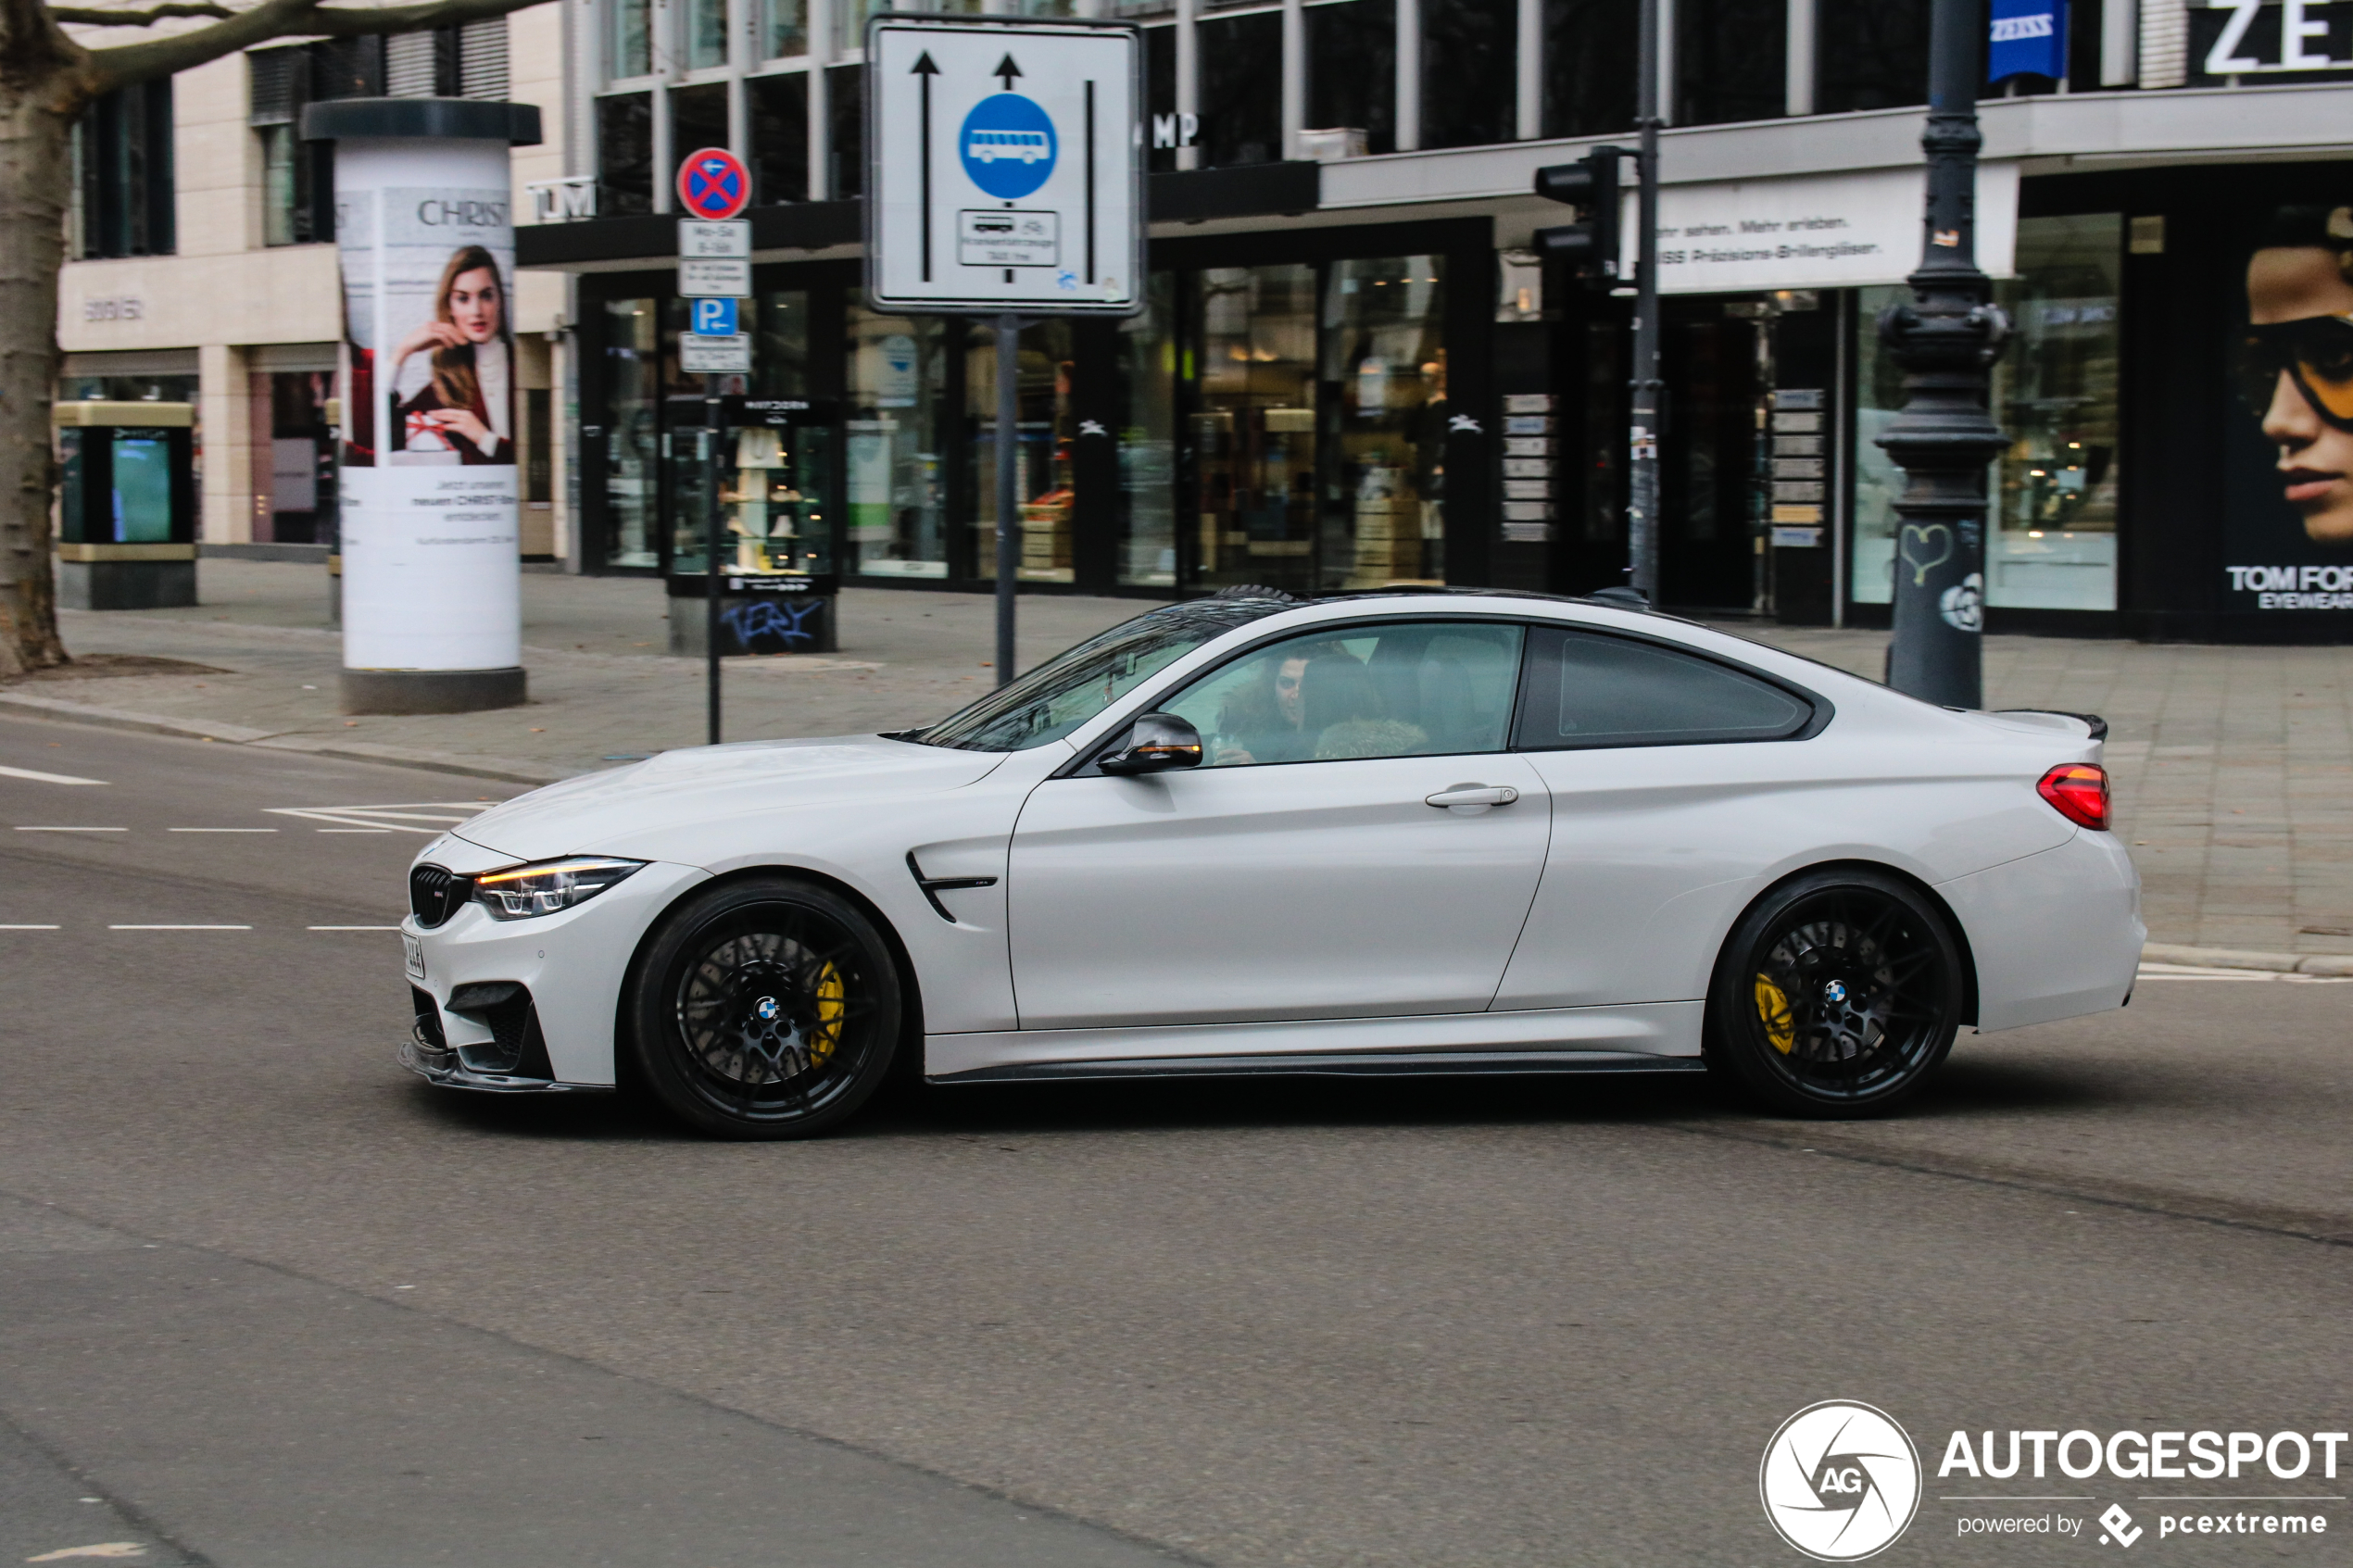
x=2029, y=38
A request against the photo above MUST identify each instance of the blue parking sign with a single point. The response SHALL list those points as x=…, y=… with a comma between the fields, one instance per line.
x=715, y=317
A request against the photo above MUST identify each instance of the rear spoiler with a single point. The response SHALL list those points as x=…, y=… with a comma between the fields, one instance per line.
x=2097, y=725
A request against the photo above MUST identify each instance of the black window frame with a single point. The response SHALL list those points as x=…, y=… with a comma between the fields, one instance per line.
x=1544, y=639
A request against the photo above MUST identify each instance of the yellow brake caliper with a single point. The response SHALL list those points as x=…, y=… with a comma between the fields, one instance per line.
x=1772, y=1009
x=831, y=1007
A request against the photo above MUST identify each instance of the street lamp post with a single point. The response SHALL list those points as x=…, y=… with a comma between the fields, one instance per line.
x=1946, y=340
x=1642, y=508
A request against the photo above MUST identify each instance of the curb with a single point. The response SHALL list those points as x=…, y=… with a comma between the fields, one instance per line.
x=502, y=769
x=2240, y=958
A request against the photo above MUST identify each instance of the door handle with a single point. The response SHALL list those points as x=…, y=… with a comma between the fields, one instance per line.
x=1471, y=799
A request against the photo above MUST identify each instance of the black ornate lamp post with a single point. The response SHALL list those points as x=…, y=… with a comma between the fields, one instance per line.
x=1946, y=340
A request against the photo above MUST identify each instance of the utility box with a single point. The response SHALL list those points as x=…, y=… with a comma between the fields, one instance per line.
x=127, y=507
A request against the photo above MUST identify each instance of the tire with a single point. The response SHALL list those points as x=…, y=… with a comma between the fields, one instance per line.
x=1837, y=994
x=767, y=1008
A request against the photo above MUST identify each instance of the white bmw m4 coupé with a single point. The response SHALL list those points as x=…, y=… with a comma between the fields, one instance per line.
x=1396, y=833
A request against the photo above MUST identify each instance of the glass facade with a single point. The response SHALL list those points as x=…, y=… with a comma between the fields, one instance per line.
x=2052, y=544
x=784, y=29
x=629, y=38
x=632, y=431
x=1044, y=434
x=1352, y=83
x=1384, y=375
x=896, y=476
x=1146, y=365
x=1254, y=427
x=706, y=23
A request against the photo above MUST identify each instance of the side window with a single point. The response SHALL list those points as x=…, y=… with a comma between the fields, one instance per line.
x=1404, y=689
x=1586, y=689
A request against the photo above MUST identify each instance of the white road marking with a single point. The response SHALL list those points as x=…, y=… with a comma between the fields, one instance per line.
x=104, y=1549
x=179, y=928
x=220, y=830
x=28, y=928
x=351, y=830
x=39, y=777
x=73, y=829
x=2189, y=972
x=399, y=817
x=351, y=928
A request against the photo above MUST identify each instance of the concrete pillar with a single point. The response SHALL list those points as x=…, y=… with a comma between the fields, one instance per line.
x=225, y=394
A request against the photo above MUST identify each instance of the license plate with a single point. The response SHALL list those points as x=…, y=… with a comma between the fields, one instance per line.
x=416, y=953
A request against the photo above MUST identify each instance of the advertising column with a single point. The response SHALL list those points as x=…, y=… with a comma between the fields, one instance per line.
x=432, y=607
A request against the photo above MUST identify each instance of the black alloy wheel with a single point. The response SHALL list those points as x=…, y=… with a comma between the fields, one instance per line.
x=1837, y=994
x=767, y=1008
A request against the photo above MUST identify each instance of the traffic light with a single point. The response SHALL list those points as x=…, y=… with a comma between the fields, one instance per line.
x=1590, y=245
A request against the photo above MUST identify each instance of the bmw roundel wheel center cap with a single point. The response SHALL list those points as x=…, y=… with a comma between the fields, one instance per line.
x=772, y=1020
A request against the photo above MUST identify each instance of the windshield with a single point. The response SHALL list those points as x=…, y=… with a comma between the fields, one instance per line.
x=1079, y=683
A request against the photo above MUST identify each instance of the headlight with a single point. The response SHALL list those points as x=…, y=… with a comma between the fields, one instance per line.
x=520, y=892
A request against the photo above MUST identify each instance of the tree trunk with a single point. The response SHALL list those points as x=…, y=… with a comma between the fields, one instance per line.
x=36, y=106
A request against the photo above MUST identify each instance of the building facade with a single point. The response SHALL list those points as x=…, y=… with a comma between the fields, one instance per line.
x=1352, y=370
x=202, y=265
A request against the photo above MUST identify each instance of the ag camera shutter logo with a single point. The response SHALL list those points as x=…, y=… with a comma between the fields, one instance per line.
x=1840, y=1481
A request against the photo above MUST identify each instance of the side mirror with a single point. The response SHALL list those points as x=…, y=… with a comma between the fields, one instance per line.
x=1158, y=741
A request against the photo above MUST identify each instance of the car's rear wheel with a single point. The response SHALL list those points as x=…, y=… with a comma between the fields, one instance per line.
x=767, y=1008
x=1837, y=994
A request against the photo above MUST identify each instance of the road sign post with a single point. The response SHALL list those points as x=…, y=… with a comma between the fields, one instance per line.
x=1004, y=179
x=714, y=274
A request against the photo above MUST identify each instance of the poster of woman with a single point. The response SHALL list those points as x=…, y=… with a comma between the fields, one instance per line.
x=452, y=377
x=2290, y=534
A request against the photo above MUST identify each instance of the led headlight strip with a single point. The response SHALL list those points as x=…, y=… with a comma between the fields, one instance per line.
x=546, y=886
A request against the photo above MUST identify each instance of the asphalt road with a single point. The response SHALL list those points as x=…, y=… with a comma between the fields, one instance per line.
x=265, y=1300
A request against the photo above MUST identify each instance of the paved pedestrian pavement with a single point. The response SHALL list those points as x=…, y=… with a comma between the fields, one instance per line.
x=2234, y=766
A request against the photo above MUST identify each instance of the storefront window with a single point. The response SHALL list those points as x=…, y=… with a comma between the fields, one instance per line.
x=1147, y=370
x=2052, y=544
x=1385, y=414
x=1045, y=432
x=897, y=489
x=633, y=431
x=1254, y=428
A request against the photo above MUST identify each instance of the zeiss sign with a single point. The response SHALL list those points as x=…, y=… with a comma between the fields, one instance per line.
x=2027, y=38
x=2242, y=38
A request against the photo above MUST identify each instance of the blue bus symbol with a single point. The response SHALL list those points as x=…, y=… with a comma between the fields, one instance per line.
x=1007, y=145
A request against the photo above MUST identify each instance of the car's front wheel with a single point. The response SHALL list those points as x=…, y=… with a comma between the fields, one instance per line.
x=1836, y=995
x=765, y=1007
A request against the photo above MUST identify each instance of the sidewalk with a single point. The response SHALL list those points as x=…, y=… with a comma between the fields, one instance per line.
x=2233, y=766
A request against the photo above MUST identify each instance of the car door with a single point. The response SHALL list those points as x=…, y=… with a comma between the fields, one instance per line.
x=1357, y=844
x=1674, y=780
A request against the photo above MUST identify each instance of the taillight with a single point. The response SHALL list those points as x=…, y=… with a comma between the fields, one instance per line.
x=2078, y=791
